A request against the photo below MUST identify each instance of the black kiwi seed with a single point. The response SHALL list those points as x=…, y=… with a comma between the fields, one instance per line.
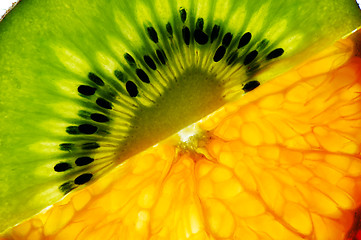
x=169, y=29
x=66, y=187
x=142, y=75
x=119, y=75
x=219, y=54
x=250, y=85
x=66, y=146
x=90, y=146
x=215, y=32
x=86, y=90
x=250, y=57
x=200, y=37
x=82, y=179
x=97, y=117
x=227, y=39
x=131, y=89
x=62, y=167
x=152, y=34
x=275, y=53
x=161, y=56
x=245, y=39
x=149, y=61
x=200, y=23
x=97, y=80
x=186, y=35
x=87, y=129
x=73, y=130
x=101, y=102
x=183, y=14
x=82, y=161
x=130, y=60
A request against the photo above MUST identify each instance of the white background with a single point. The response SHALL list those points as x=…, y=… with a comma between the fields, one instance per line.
x=4, y=5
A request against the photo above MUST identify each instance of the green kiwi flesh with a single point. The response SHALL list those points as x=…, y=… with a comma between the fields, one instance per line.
x=86, y=84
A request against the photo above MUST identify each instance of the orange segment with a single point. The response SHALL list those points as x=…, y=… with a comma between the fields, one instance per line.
x=281, y=163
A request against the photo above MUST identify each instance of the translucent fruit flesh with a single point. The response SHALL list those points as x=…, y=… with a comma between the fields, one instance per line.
x=69, y=115
x=283, y=163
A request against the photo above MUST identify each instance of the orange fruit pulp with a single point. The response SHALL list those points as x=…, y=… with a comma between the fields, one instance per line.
x=281, y=163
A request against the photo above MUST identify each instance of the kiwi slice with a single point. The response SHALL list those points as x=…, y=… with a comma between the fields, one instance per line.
x=86, y=84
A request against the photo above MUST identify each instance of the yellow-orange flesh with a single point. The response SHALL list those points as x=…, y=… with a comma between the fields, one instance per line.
x=282, y=163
